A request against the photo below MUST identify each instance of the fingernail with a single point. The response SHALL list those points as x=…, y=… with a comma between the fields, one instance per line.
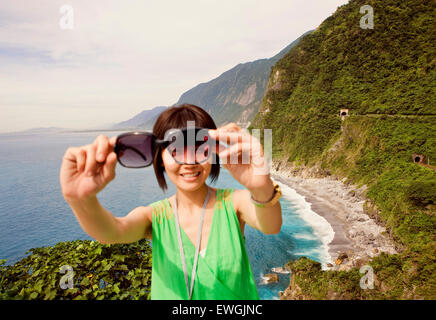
x=100, y=156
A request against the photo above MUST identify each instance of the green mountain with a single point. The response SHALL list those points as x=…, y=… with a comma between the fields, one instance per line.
x=236, y=95
x=385, y=77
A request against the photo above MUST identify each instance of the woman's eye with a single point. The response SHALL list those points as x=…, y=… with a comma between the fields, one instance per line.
x=202, y=150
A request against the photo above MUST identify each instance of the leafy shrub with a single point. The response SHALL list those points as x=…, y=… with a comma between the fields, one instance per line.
x=422, y=193
x=120, y=271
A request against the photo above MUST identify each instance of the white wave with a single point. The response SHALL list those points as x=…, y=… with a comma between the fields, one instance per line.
x=321, y=227
x=263, y=279
x=304, y=236
x=310, y=252
x=280, y=270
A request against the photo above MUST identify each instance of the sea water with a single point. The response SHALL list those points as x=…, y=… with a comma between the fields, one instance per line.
x=34, y=214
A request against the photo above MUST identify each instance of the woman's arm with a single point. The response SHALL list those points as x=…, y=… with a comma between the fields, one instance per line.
x=253, y=175
x=87, y=170
x=266, y=220
x=102, y=225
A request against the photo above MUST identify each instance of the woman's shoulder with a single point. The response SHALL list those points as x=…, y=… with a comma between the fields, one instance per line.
x=226, y=192
x=231, y=195
x=238, y=196
x=158, y=206
x=160, y=211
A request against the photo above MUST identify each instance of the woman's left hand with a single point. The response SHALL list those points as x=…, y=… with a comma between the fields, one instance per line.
x=243, y=158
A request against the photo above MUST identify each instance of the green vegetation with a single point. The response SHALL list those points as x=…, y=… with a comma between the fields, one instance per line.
x=385, y=77
x=99, y=272
x=310, y=282
x=388, y=70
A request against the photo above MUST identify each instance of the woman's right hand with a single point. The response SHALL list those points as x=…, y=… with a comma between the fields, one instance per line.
x=86, y=170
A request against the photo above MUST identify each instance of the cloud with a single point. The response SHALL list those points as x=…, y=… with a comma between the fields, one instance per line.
x=127, y=56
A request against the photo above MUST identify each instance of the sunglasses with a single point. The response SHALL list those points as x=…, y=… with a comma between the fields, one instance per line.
x=186, y=146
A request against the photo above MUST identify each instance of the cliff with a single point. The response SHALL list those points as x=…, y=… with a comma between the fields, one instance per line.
x=383, y=79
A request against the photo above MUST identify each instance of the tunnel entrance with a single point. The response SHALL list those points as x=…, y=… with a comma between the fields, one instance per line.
x=343, y=113
x=419, y=158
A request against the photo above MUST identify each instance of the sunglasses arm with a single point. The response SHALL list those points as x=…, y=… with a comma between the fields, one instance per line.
x=160, y=142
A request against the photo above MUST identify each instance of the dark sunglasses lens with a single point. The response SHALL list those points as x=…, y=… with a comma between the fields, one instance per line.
x=135, y=151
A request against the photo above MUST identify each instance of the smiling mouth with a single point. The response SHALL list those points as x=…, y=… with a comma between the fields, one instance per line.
x=190, y=175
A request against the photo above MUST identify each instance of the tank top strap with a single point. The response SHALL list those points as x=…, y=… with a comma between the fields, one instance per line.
x=160, y=211
x=224, y=197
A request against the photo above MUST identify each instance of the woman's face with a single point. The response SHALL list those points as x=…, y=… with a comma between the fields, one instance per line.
x=188, y=177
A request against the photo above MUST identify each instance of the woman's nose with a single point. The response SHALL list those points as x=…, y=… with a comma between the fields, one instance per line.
x=189, y=155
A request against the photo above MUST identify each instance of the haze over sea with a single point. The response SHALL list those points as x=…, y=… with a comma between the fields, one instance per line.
x=33, y=212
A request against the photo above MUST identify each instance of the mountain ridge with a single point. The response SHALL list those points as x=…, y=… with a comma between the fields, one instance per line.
x=235, y=95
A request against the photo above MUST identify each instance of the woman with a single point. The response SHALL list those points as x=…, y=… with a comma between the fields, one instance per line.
x=200, y=228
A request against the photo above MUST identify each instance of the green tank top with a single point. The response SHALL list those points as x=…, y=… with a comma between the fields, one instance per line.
x=224, y=273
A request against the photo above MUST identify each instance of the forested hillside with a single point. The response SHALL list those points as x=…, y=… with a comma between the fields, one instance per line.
x=385, y=77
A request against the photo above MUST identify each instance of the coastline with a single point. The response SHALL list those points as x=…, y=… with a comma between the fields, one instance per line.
x=357, y=236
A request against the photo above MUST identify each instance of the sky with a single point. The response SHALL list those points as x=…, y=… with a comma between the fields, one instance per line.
x=99, y=62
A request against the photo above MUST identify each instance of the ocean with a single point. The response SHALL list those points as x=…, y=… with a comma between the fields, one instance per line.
x=34, y=214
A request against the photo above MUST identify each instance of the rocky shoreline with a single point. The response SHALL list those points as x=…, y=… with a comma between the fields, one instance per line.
x=359, y=233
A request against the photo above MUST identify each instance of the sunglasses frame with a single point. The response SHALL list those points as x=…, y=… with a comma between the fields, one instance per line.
x=155, y=143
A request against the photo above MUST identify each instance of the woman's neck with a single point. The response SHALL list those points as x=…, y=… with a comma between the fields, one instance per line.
x=191, y=201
